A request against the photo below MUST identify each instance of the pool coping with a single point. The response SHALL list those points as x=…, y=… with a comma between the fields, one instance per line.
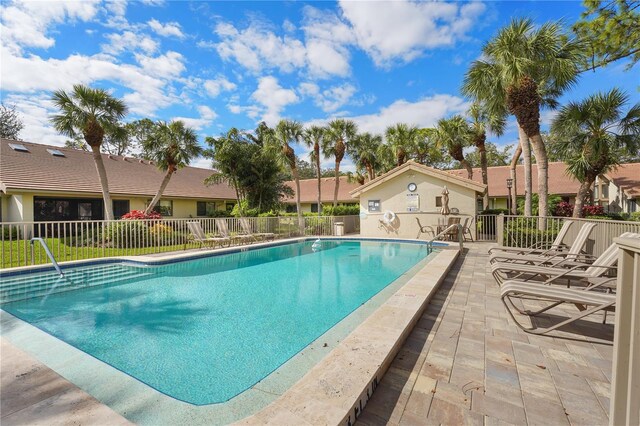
x=74, y=364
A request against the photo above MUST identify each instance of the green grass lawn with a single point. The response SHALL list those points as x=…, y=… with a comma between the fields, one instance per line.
x=18, y=253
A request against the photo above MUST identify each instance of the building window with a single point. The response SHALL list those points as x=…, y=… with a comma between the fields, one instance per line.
x=164, y=207
x=605, y=191
x=314, y=208
x=633, y=205
x=45, y=209
x=291, y=208
x=120, y=208
x=374, y=205
x=595, y=192
x=438, y=201
x=229, y=206
x=206, y=208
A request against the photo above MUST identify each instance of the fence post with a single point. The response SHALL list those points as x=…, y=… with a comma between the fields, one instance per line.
x=500, y=229
x=625, y=386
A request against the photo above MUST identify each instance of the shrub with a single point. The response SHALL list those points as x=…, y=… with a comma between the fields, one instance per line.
x=494, y=211
x=10, y=231
x=164, y=235
x=127, y=234
x=635, y=216
x=219, y=213
x=522, y=232
x=563, y=209
x=141, y=215
x=348, y=210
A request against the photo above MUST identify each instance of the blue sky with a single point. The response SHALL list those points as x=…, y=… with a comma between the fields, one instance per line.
x=221, y=64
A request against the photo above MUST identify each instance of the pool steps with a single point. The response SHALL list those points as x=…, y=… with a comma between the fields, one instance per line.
x=22, y=287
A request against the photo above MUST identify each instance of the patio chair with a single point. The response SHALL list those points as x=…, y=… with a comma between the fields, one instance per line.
x=428, y=229
x=246, y=227
x=200, y=237
x=222, y=227
x=588, y=300
x=549, y=256
x=466, y=229
x=538, y=247
x=584, y=268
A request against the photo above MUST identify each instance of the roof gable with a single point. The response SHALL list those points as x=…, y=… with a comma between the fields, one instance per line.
x=419, y=168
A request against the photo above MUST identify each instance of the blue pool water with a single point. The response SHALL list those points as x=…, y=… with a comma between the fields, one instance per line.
x=205, y=330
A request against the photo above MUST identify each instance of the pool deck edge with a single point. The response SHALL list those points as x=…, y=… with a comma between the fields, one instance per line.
x=336, y=389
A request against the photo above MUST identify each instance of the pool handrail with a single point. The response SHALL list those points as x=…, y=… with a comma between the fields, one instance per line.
x=47, y=251
x=446, y=231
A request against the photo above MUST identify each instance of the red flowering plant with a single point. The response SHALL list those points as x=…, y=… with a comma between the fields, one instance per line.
x=141, y=215
x=593, y=210
x=563, y=209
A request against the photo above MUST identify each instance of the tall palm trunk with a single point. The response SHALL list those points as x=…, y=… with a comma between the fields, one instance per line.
x=583, y=193
x=458, y=155
x=482, y=150
x=542, y=163
x=337, y=187
x=526, y=156
x=514, y=177
x=316, y=150
x=296, y=177
x=102, y=175
x=163, y=185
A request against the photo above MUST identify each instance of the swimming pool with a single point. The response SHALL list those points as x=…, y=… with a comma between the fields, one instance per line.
x=204, y=330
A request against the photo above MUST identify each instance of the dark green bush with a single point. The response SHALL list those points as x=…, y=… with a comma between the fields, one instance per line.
x=127, y=234
x=494, y=211
x=523, y=232
x=10, y=231
x=344, y=210
x=635, y=216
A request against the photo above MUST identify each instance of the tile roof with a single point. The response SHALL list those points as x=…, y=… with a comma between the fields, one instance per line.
x=309, y=190
x=39, y=170
x=627, y=177
x=560, y=183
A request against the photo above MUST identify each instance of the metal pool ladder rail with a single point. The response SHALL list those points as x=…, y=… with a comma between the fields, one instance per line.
x=48, y=252
x=445, y=231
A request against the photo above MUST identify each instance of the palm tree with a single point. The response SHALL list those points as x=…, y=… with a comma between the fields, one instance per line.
x=593, y=134
x=313, y=137
x=171, y=146
x=482, y=120
x=426, y=150
x=340, y=132
x=286, y=133
x=526, y=67
x=514, y=181
x=455, y=134
x=90, y=113
x=364, y=152
x=402, y=140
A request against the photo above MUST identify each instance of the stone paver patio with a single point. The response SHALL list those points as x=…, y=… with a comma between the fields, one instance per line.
x=466, y=362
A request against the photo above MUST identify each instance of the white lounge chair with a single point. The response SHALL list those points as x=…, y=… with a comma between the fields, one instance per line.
x=567, y=270
x=539, y=248
x=246, y=227
x=200, y=237
x=551, y=256
x=223, y=229
x=588, y=300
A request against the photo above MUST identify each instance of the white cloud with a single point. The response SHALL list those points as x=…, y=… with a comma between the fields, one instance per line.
x=423, y=113
x=217, y=85
x=26, y=24
x=129, y=41
x=328, y=100
x=35, y=111
x=257, y=47
x=327, y=39
x=169, y=65
x=201, y=162
x=167, y=30
x=207, y=115
x=273, y=98
x=403, y=30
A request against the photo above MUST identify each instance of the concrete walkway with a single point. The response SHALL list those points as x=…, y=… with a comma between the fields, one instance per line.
x=33, y=394
x=467, y=363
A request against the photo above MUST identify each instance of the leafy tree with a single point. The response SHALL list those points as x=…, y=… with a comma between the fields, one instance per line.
x=171, y=146
x=454, y=134
x=426, y=151
x=484, y=119
x=339, y=134
x=495, y=156
x=10, y=122
x=286, y=133
x=402, y=140
x=364, y=152
x=91, y=113
x=610, y=31
x=77, y=143
x=593, y=134
x=138, y=131
x=313, y=137
x=525, y=68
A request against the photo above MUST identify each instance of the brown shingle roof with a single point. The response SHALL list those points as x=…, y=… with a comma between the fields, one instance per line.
x=560, y=183
x=627, y=177
x=38, y=170
x=309, y=190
